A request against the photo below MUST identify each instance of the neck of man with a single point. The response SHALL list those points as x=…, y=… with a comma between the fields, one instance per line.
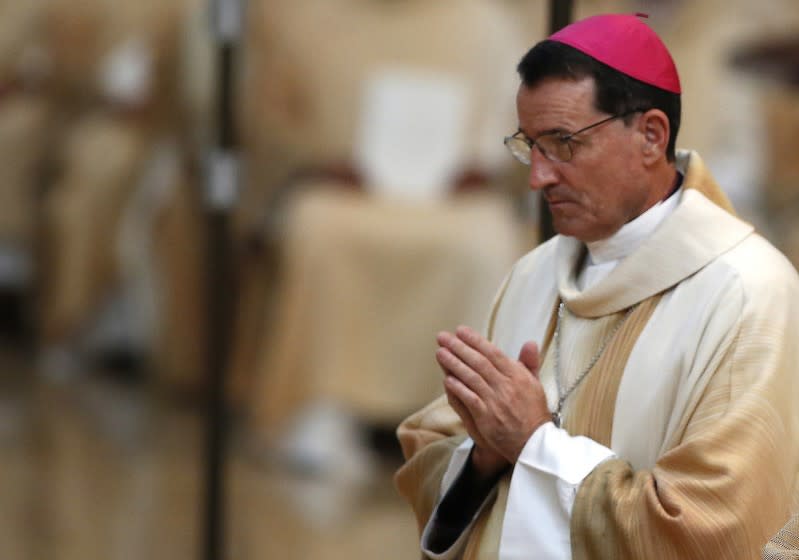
x=633, y=233
x=604, y=254
x=665, y=182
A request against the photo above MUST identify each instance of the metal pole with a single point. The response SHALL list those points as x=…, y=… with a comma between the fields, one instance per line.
x=560, y=15
x=221, y=192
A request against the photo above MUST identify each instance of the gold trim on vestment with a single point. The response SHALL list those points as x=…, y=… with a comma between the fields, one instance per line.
x=594, y=402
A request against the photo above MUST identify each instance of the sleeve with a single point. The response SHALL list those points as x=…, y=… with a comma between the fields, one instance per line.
x=726, y=484
x=464, y=498
x=543, y=488
x=428, y=439
x=550, y=468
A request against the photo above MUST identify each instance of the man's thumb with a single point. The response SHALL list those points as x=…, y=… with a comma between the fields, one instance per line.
x=529, y=357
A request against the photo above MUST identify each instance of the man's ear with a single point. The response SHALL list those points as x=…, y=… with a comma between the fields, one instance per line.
x=654, y=126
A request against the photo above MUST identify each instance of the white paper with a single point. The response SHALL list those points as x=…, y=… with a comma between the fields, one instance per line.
x=126, y=72
x=410, y=141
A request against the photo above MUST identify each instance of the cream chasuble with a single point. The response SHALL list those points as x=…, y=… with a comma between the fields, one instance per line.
x=689, y=413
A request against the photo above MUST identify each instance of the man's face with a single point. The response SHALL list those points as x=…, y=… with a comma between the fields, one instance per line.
x=603, y=186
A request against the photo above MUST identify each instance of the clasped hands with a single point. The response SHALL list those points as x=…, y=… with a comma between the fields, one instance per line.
x=499, y=399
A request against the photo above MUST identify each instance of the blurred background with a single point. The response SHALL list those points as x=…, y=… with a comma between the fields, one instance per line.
x=368, y=204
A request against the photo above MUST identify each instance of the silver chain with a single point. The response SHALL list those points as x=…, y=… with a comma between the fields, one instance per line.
x=557, y=417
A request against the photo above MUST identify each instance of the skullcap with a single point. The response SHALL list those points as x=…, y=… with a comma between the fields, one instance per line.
x=625, y=43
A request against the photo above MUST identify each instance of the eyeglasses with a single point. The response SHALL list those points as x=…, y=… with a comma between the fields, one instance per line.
x=555, y=146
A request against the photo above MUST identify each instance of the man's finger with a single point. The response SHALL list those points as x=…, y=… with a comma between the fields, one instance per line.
x=484, y=347
x=471, y=400
x=468, y=355
x=464, y=414
x=455, y=367
x=530, y=357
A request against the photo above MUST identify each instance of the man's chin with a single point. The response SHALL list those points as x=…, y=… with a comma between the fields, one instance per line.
x=578, y=231
x=564, y=226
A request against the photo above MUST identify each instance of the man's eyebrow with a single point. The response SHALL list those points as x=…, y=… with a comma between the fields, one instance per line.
x=545, y=132
x=555, y=131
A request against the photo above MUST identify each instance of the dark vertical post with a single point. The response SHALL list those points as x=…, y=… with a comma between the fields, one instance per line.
x=560, y=15
x=221, y=190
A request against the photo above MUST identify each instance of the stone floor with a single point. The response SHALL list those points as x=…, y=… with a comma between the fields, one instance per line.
x=94, y=469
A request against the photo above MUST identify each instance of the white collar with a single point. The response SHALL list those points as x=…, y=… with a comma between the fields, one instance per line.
x=631, y=234
x=678, y=248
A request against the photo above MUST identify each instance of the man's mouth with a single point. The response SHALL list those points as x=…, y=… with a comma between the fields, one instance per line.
x=553, y=202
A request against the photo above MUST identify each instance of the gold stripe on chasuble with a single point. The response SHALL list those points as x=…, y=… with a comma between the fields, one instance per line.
x=593, y=405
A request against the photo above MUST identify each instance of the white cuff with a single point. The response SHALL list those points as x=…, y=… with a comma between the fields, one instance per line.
x=567, y=458
x=456, y=463
x=542, y=491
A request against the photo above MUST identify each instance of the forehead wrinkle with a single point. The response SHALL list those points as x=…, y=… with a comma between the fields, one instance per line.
x=555, y=106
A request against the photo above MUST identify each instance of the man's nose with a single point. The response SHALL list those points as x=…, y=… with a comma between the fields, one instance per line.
x=542, y=171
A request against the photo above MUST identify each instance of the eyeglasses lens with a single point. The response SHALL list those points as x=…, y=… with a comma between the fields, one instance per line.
x=553, y=148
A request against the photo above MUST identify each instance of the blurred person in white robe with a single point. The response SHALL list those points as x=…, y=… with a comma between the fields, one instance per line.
x=374, y=125
x=122, y=221
x=25, y=113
